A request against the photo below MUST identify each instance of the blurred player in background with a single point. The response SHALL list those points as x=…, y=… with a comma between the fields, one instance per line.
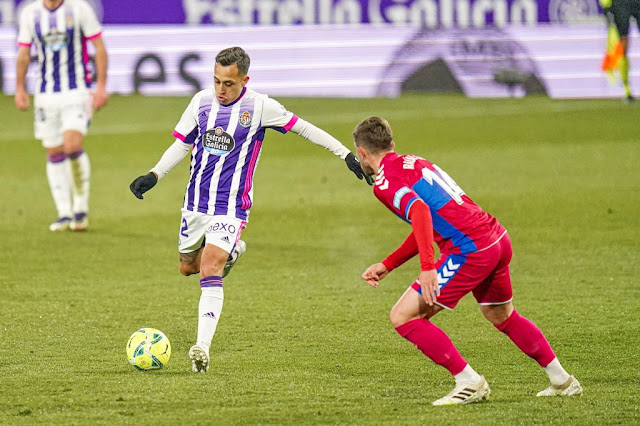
x=62, y=101
x=224, y=129
x=475, y=254
x=618, y=14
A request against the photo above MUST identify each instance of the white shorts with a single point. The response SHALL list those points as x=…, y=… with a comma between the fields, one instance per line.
x=55, y=113
x=197, y=228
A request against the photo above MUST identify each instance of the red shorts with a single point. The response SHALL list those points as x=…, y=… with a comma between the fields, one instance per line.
x=485, y=273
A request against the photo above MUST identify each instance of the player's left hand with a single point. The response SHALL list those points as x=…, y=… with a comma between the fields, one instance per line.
x=375, y=273
x=354, y=165
x=100, y=98
x=429, y=284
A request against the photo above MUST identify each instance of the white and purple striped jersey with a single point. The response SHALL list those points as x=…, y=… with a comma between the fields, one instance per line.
x=60, y=37
x=227, y=140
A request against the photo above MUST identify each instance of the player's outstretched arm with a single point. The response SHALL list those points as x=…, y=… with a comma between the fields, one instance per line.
x=324, y=139
x=171, y=157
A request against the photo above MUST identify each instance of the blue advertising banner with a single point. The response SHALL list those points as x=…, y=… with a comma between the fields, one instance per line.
x=418, y=13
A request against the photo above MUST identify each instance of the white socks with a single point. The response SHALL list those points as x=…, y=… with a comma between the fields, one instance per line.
x=67, y=175
x=467, y=376
x=556, y=373
x=58, y=176
x=209, y=309
x=80, y=172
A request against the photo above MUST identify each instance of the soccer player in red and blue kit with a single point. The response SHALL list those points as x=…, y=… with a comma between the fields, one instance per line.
x=475, y=252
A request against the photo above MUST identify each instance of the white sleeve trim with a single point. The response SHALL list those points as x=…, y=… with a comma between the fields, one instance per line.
x=320, y=137
x=171, y=157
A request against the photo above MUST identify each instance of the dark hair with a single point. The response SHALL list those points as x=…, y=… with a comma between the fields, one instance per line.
x=234, y=55
x=373, y=134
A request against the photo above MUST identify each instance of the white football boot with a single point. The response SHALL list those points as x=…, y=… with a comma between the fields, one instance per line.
x=62, y=224
x=571, y=387
x=466, y=394
x=80, y=222
x=238, y=251
x=199, y=359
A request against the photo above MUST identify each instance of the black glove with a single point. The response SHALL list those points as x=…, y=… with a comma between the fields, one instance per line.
x=354, y=165
x=142, y=184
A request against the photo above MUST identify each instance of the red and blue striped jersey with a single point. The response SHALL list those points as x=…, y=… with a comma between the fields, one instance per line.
x=459, y=224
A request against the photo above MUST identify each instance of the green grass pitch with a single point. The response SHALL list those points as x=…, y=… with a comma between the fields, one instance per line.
x=302, y=339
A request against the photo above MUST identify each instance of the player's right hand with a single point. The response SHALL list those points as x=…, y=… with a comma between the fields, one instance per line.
x=142, y=184
x=429, y=284
x=22, y=99
x=375, y=273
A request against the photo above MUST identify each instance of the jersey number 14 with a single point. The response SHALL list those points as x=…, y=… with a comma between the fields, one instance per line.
x=444, y=181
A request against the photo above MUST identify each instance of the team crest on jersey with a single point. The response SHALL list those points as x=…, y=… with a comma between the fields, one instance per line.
x=245, y=119
x=218, y=142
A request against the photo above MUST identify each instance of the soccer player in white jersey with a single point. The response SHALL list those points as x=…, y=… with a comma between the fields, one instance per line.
x=60, y=29
x=224, y=129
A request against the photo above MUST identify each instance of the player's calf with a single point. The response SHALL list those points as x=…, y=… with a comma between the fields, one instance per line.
x=190, y=262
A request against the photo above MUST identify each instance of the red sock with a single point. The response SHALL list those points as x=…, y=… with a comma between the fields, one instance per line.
x=528, y=337
x=434, y=343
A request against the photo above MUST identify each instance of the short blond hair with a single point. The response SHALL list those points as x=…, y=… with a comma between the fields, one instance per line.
x=374, y=134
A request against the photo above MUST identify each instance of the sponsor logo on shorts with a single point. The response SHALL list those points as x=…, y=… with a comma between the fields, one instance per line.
x=218, y=142
x=225, y=239
x=222, y=227
x=447, y=272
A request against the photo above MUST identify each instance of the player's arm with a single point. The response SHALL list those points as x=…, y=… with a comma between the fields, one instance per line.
x=171, y=157
x=320, y=137
x=422, y=226
x=402, y=254
x=100, y=96
x=25, y=37
x=276, y=116
x=92, y=30
x=174, y=154
x=22, y=65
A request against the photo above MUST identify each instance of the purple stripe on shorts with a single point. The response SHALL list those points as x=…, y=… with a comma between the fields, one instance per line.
x=76, y=154
x=57, y=158
x=222, y=120
x=211, y=281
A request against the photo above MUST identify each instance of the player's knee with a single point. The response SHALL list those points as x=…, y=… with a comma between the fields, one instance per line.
x=398, y=317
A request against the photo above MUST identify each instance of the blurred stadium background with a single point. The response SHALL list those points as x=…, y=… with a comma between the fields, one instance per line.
x=353, y=48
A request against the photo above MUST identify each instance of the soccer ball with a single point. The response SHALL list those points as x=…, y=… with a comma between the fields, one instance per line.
x=148, y=349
